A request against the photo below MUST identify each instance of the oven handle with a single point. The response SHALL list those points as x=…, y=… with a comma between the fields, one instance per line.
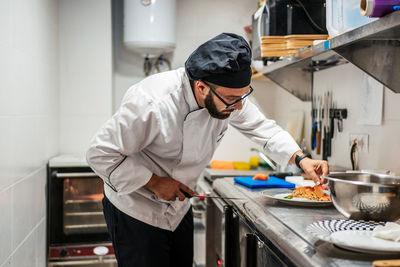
x=220, y=204
x=82, y=262
x=76, y=175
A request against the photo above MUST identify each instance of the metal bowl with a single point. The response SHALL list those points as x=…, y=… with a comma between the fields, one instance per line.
x=366, y=196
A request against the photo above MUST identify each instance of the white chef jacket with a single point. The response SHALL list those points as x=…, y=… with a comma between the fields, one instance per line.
x=160, y=129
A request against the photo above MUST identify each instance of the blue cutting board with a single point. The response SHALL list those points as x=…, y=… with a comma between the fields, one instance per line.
x=272, y=182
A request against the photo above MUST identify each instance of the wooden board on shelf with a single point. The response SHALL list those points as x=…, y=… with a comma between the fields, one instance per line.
x=273, y=46
x=279, y=46
x=307, y=36
x=257, y=76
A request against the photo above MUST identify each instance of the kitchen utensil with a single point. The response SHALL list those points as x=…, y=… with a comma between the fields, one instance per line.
x=279, y=194
x=329, y=123
x=386, y=263
x=265, y=158
x=281, y=175
x=207, y=196
x=314, y=135
x=319, y=126
x=366, y=196
x=325, y=144
x=200, y=196
x=272, y=182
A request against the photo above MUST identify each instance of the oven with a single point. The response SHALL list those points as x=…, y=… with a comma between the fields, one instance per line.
x=76, y=229
x=221, y=234
x=255, y=250
x=233, y=241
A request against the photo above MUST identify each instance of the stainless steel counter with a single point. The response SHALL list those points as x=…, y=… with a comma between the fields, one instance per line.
x=285, y=226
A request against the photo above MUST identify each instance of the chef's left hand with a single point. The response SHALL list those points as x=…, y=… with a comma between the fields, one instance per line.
x=316, y=169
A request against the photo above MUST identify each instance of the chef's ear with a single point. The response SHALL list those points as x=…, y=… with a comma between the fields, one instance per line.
x=202, y=87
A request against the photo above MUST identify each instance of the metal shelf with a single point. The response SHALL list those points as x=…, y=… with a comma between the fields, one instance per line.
x=374, y=48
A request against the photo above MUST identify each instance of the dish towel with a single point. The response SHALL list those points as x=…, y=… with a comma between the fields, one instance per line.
x=391, y=231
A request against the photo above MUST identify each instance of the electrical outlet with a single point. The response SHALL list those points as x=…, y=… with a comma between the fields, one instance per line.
x=362, y=141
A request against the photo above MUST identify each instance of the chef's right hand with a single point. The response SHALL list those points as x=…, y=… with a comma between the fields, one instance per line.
x=167, y=188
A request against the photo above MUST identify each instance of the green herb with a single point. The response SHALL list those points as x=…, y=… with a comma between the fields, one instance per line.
x=289, y=197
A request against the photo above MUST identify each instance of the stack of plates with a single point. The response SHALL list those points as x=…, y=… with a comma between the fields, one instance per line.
x=353, y=235
x=279, y=46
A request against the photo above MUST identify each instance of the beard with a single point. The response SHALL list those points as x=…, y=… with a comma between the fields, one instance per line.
x=212, y=108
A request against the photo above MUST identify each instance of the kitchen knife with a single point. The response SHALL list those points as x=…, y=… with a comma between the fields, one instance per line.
x=319, y=126
x=386, y=263
x=206, y=196
x=280, y=175
x=314, y=135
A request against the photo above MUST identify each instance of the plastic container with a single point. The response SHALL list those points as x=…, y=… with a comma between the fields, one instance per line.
x=222, y=165
x=254, y=162
x=241, y=165
x=344, y=15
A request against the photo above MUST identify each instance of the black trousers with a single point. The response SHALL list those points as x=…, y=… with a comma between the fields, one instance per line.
x=137, y=244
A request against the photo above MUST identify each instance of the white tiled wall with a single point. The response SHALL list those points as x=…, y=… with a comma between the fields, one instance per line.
x=29, y=125
x=85, y=71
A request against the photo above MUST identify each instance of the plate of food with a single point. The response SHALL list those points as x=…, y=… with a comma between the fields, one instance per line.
x=311, y=196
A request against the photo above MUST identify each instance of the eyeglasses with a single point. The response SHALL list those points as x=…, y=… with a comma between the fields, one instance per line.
x=223, y=101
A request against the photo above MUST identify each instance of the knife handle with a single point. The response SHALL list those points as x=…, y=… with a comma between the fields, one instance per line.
x=281, y=175
x=386, y=263
x=186, y=194
x=318, y=143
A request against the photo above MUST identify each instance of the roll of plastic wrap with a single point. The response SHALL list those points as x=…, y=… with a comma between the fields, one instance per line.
x=378, y=8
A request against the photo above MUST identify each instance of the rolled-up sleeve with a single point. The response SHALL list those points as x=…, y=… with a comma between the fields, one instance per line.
x=112, y=152
x=278, y=144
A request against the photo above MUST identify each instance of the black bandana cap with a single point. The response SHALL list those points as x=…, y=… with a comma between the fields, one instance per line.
x=223, y=60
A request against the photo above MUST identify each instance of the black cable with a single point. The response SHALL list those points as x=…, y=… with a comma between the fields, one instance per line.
x=309, y=17
x=352, y=153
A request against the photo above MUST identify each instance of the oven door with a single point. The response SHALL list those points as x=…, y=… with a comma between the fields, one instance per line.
x=254, y=252
x=221, y=234
x=75, y=211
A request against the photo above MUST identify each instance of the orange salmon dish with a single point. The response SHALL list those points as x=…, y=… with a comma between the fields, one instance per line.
x=313, y=193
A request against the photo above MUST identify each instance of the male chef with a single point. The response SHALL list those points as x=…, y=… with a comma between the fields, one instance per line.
x=165, y=132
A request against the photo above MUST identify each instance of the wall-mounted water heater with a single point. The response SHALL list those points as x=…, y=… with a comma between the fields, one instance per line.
x=149, y=26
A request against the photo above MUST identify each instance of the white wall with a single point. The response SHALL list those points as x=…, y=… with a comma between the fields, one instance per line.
x=197, y=22
x=85, y=71
x=29, y=125
x=345, y=82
